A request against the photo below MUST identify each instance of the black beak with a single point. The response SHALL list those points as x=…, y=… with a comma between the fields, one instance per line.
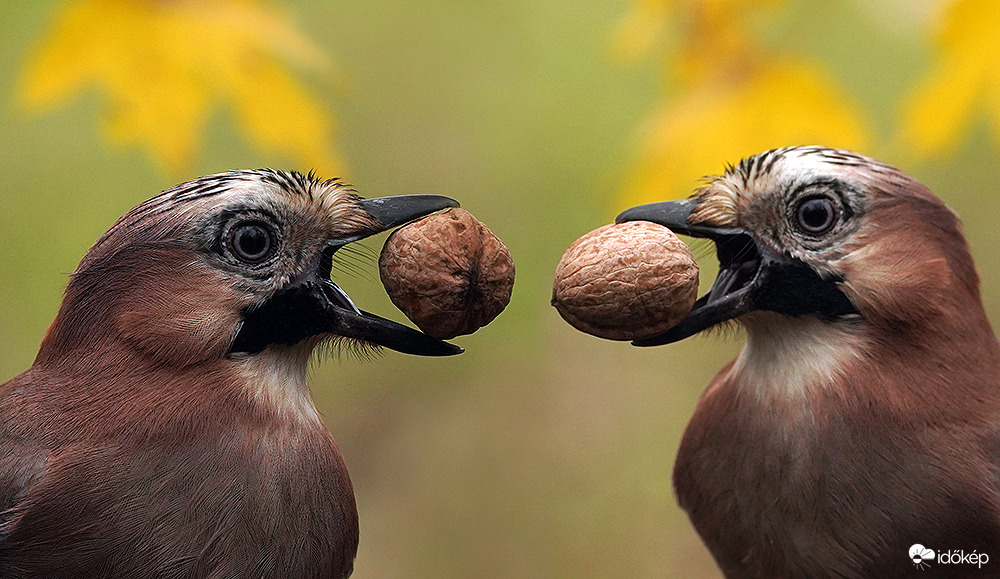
x=392, y=212
x=318, y=306
x=751, y=276
x=351, y=322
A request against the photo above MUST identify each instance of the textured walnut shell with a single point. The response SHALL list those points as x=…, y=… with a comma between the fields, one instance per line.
x=626, y=281
x=448, y=273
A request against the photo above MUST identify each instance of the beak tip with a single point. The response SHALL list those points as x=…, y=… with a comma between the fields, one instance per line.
x=447, y=349
x=627, y=215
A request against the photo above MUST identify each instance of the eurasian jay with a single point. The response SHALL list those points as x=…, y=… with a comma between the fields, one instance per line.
x=166, y=428
x=862, y=417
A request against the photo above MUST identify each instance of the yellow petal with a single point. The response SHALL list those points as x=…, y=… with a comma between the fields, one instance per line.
x=280, y=115
x=163, y=65
x=780, y=104
x=65, y=59
x=938, y=110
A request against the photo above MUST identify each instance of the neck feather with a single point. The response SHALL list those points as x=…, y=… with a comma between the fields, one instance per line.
x=276, y=379
x=790, y=357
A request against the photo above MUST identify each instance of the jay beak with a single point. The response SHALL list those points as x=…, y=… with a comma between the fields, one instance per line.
x=165, y=428
x=862, y=417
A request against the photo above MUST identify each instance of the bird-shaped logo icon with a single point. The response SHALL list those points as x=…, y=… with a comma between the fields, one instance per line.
x=864, y=408
x=166, y=428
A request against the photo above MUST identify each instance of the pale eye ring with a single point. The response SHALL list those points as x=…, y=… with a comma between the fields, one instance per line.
x=252, y=242
x=817, y=215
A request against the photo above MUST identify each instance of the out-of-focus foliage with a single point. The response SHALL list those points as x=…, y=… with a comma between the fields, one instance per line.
x=963, y=79
x=726, y=95
x=163, y=65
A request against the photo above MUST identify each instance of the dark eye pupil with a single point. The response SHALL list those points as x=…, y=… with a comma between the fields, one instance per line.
x=817, y=215
x=251, y=242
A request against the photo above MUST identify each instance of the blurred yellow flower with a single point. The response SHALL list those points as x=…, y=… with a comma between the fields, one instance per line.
x=644, y=24
x=783, y=103
x=966, y=77
x=727, y=97
x=163, y=65
x=641, y=28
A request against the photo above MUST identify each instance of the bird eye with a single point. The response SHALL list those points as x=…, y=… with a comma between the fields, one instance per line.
x=817, y=215
x=252, y=242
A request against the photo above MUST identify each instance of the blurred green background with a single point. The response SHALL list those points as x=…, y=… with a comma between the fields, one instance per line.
x=541, y=451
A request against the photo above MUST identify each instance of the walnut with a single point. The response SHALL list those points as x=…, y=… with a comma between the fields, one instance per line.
x=448, y=273
x=626, y=281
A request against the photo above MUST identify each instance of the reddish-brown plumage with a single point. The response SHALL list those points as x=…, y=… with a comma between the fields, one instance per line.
x=144, y=470
x=847, y=433
x=842, y=483
x=148, y=440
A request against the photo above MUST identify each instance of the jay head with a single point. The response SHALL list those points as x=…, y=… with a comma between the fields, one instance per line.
x=165, y=428
x=863, y=414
